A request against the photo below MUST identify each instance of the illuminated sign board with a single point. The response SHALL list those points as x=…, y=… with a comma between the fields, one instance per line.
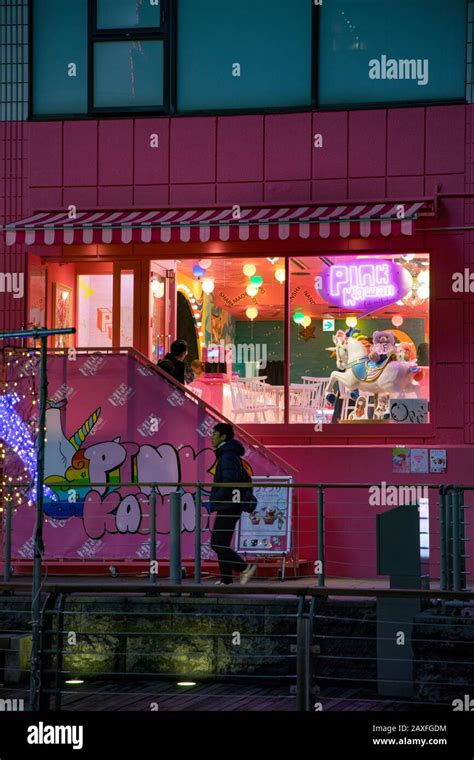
x=365, y=284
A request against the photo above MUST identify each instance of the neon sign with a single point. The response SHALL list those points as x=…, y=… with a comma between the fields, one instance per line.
x=365, y=284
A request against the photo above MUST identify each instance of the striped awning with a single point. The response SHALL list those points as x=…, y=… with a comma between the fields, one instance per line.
x=214, y=224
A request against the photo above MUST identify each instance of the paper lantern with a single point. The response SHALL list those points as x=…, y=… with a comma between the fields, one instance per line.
x=198, y=271
x=249, y=270
x=208, y=286
x=256, y=281
x=423, y=292
x=252, y=312
x=298, y=317
x=205, y=263
x=306, y=322
x=397, y=320
x=251, y=291
x=280, y=274
x=351, y=321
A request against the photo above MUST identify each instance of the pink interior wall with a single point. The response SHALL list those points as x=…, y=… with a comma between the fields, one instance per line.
x=63, y=274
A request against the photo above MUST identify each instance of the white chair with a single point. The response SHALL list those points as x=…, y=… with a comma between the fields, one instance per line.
x=249, y=397
x=308, y=401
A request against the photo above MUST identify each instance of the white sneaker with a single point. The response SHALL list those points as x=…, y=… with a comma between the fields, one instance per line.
x=247, y=574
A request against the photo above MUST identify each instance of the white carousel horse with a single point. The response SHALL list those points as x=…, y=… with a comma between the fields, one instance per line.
x=359, y=374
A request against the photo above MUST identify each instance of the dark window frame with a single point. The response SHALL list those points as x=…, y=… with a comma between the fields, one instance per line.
x=142, y=34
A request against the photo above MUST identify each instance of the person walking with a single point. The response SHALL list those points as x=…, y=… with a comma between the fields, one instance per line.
x=173, y=362
x=229, y=469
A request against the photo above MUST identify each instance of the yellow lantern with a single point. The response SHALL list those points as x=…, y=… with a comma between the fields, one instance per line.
x=306, y=322
x=249, y=270
x=280, y=274
x=252, y=313
x=351, y=321
x=252, y=291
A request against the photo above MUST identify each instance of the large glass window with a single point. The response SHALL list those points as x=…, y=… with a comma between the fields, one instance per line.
x=378, y=51
x=238, y=314
x=59, y=57
x=250, y=54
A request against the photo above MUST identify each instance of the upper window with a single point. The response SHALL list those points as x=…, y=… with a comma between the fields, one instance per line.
x=250, y=54
x=59, y=57
x=128, y=14
x=378, y=51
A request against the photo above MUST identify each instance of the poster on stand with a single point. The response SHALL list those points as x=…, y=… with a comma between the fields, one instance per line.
x=268, y=529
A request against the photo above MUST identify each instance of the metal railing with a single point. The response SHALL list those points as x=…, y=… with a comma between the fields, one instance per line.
x=323, y=540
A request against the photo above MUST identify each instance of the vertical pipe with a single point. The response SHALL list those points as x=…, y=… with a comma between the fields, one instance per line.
x=300, y=657
x=456, y=541
x=38, y=532
x=448, y=534
x=321, y=575
x=175, y=538
x=7, y=570
x=442, y=539
x=287, y=339
x=153, y=566
x=197, y=536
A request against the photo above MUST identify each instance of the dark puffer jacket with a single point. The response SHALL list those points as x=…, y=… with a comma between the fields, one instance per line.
x=172, y=366
x=229, y=470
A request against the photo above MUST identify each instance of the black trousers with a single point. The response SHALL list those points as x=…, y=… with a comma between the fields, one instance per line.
x=221, y=539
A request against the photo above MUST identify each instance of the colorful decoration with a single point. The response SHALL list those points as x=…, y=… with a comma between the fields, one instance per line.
x=365, y=284
x=252, y=313
x=80, y=435
x=208, y=286
x=351, y=321
x=306, y=321
x=280, y=274
x=307, y=333
x=249, y=270
x=205, y=263
x=393, y=377
x=251, y=291
x=256, y=281
x=397, y=320
x=298, y=317
x=198, y=271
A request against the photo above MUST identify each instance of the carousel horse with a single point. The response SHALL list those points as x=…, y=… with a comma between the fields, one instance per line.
x=358, y=373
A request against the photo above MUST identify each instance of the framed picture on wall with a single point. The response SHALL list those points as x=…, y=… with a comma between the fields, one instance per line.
x=62, y=313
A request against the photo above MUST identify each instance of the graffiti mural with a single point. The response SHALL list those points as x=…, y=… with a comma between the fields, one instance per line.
x=113, y=427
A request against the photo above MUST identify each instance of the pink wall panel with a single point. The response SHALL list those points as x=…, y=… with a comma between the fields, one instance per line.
x=240, y=192
x=116, y=152
x=330, y=160
x=45, y=154
x=183, y=195
x=151, y=195
x=448, y=389
x=152, y=163
x=288, y=147
x=406, y=141
x=367, y=143
x=116, y=197
x=45, y=197
x=82, y=197
x=329, y=189
x=80, y=152
x=405, y=187
x=240, y=149
x=443, y=155
x=287, y=192
x=193, y=150
x=367, y=188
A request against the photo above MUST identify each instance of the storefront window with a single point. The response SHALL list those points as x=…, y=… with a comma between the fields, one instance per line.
x=238, y=308
x=360, y=339
x=94, y=305
x=377, y=51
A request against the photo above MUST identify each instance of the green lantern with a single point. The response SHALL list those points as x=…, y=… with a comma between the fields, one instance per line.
x=256, y=280
x=298, y=317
